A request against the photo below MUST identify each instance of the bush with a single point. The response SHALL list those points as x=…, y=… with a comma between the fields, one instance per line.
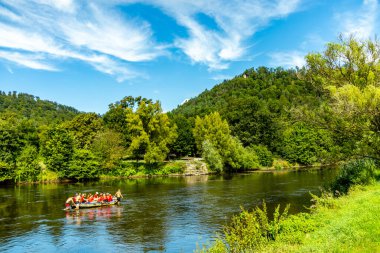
x=356, y=172
x=279, y=164
x=305, y=145
x=84, y=165
x=27, y=168
x=250, y=231
x=240, y=157
x=174, y=168
x=6, y=171
x=212, y=156
x=264, y=155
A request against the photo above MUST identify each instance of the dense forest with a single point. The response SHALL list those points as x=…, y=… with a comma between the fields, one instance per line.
x=326, y=112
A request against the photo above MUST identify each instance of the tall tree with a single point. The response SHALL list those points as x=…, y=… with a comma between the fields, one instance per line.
x=27, y=168
x=84, y=128
x=147, y=131
x=108, y=146
x=57, y=148
x=185, y=143
x=83, y=165
x=349, y=74
x=217, y=146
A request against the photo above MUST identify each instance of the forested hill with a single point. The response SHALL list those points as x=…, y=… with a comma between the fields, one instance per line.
x=32, y=107
x=255, y=104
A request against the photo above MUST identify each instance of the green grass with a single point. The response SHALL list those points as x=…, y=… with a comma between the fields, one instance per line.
x=352, y=226
x=350, y=223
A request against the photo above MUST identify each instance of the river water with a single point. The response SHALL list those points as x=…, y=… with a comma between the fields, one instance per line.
x=171, y=214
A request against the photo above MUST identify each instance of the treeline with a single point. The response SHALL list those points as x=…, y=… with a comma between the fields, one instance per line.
x=32, y=107
x=327, y=111
x=84, y=145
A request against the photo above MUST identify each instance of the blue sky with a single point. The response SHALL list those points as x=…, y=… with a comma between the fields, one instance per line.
x=88, y=54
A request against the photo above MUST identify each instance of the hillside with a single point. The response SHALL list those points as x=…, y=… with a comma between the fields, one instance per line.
x=32, y=107
x=256, y=104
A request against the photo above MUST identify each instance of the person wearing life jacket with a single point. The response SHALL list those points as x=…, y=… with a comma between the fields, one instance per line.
x=90, y=198
x=101, y=198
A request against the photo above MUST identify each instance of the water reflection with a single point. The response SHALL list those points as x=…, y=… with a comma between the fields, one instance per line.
x=93, y=214
x=157, y=214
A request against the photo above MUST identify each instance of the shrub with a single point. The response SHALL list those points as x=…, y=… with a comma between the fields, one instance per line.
x=279, y=164
x=265, y=157
x=250, y=231
x=27, y=168
x=212, y=157
x=295, y=227
x=305, y=145
x=6, y=171
x=356, y=172
x=84, y=165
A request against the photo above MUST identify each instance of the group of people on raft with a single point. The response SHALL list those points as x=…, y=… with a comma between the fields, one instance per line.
x=93, y=198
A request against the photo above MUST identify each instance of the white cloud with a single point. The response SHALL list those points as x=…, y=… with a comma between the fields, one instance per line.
x=33, y=61
x=287, y=59
x=236, y=22
x=61, y=5
x=9, y=14
x=51, y=31
x=362, y=22
x=109, y=34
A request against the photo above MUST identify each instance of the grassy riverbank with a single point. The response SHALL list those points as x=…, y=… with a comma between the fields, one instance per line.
x=346, y=224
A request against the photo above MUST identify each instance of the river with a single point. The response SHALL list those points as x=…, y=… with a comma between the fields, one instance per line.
x=170, y=214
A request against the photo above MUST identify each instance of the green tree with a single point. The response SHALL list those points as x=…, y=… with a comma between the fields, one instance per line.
x=83, y=165
x=6, y=171
x=348, y=61
x=116, y=116
x=84, y=128
x=27, y=168
x=220, y=144
x=305, y=145
x=264, y=155
x=57, y=148
x=348, y=73
x=185, y=143
x=108, y=146
x=148, y=131
x=212, y=156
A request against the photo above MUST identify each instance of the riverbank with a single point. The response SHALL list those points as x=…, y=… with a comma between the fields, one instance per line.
x=140, y=169
x=346, y=224
x=130, y=169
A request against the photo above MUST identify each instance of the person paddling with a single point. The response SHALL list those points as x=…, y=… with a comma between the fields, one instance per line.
x=118, y=195
x=69, y=203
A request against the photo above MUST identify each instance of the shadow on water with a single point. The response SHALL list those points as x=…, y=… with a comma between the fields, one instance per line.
x=157, y=214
